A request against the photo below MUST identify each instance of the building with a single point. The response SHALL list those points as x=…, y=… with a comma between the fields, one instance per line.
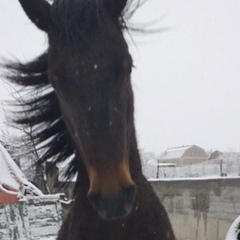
x=185, y=155
x=57, y=181
x=215, y=155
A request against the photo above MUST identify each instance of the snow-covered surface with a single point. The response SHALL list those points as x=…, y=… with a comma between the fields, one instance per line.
x=63, y=167
x=174, y=153
x=226, y=164
x=190, y=179
x=13, y=178
x=31, y=215
x=47, y=238
x=38, y=218
x=8, y=170
x=234, y=230
x=160, y=164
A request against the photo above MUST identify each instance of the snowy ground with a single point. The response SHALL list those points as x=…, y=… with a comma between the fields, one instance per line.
x=48, y=238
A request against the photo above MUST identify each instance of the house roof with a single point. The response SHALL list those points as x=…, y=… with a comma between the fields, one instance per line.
x=176, y=152
x=230, y=157
x=13, y=183
x=215, y=155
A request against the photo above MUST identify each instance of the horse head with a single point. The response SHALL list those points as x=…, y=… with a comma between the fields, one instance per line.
x=89, y=67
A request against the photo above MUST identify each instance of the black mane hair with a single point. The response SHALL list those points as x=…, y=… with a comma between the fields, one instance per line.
x=38, y=109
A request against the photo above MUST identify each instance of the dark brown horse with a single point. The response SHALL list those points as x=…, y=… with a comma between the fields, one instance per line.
x=89, y=115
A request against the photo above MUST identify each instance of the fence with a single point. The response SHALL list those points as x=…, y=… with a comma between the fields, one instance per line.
x=205, y=169
x=35, y=218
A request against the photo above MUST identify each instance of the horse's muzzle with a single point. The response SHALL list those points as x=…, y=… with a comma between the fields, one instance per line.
x=110, y=208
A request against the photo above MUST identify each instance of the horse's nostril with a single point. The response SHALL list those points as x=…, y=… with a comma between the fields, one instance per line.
x=95, y=199
x=129, y=193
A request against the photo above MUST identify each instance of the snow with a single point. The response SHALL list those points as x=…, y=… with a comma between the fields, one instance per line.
x=63, y=166
x=227, y=164
x=177, y=152
x=153, y=162
x=234, y=230
x=47, y=238
x=48, y=197
x=12, y=177
x=190, y=179
x=6, y=170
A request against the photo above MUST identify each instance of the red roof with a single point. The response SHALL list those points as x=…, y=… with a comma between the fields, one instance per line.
x=8, y=194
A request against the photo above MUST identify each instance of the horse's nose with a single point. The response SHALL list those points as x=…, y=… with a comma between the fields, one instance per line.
x=114, y=207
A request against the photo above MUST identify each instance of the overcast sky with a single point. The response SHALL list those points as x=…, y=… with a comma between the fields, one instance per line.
x=187, y=79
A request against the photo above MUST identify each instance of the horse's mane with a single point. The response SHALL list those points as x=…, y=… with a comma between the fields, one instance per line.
x=38, y=109
x=38, y=112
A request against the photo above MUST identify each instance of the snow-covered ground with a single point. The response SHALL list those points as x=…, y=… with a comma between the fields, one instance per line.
x=47, y=238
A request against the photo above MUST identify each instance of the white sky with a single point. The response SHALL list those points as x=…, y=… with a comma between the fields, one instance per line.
x=187, y=79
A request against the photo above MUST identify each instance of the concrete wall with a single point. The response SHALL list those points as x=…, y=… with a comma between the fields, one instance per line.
x=35, y=218
x=200, y=209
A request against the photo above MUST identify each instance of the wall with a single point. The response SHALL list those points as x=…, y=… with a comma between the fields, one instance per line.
x=200, y=209
x=36, y=218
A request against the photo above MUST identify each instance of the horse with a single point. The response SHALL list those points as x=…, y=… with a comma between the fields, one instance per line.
x=78, y=101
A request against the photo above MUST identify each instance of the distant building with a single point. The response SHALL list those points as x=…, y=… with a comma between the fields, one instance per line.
x=227, y=158
x=56, y=179
x=215, y=155
x=185, y=155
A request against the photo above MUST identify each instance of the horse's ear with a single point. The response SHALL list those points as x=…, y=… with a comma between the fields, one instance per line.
x=115, y=7
x=38, y=12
